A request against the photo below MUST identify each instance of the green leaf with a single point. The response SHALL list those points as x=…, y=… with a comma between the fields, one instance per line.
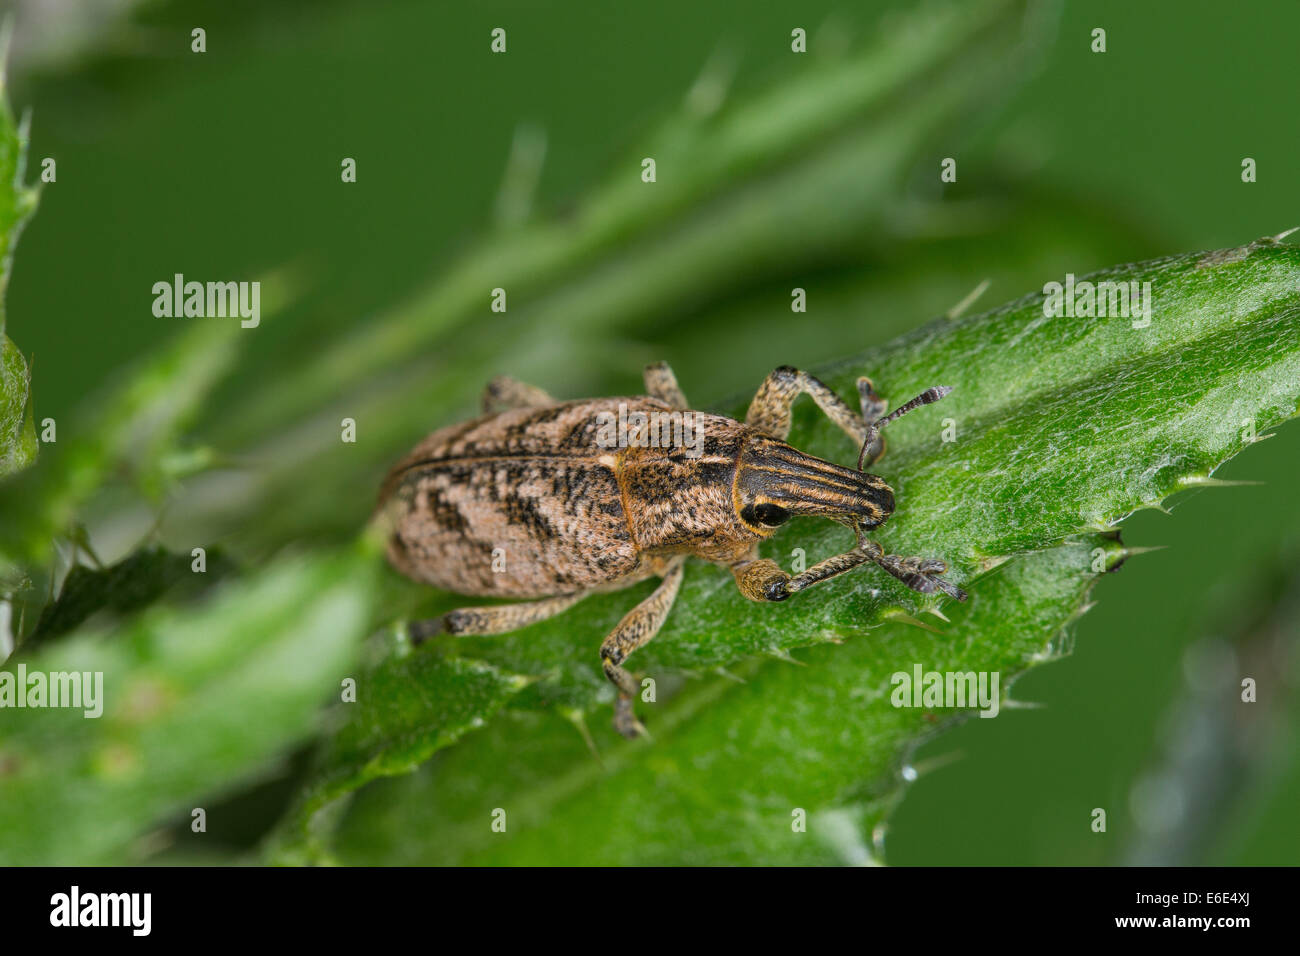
x=1058, y=428
x=196, y=701
x=134, y=431
x=1062, y=427
x=17, y=434
x=17, y=202
x=130, y=585
x=731, y=762
x=407, y=706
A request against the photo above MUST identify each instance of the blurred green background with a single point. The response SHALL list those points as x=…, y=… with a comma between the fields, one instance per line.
x=226, y=165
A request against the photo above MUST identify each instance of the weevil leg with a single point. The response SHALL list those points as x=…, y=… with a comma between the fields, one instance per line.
x=492, y=619
x=763, y=580
x=661, y=383
x=504, y=392
x=769, y=412
x=864, y=553
x=873, y=406
x=636, y=629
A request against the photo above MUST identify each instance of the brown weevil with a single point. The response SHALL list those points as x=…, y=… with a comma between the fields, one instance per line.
x=554, y=501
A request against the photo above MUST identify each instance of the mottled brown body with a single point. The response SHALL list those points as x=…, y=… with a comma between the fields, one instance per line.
x=529, y=484
x=536, y=501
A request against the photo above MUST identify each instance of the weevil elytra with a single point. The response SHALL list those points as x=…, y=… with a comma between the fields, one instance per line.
x=534, y=500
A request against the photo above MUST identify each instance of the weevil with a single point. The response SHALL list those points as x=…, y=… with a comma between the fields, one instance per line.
x=535, y=501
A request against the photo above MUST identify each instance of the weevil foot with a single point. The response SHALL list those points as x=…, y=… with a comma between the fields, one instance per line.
x=921, y=574
x=460, y=621
x=638, y=626
x=873, y=407
x=950, y=589
x=504, y=392
x=421, y=631
x=625, y=721
x=497, y=619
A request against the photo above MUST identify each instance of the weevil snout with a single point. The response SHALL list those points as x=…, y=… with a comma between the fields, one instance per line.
x=775, y=482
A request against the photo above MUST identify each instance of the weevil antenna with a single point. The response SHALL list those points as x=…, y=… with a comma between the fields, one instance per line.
x=928, y=397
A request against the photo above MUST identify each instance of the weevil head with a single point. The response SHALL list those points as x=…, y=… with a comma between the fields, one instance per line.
x=775, y=482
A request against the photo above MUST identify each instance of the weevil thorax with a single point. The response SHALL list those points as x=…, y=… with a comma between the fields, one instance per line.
x=775, y=482
x=681, y=500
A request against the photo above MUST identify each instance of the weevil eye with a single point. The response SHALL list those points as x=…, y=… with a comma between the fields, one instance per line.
x=766, y=514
